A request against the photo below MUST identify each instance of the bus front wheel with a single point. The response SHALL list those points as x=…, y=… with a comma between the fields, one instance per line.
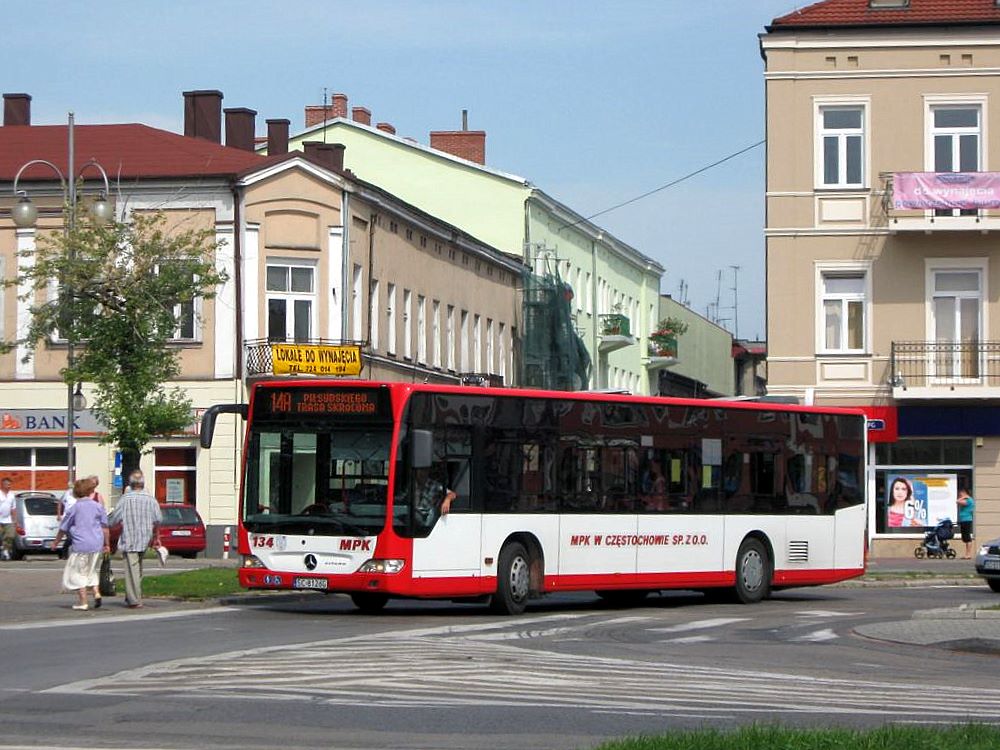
x=753, y=572
x=513, y=580
x=368, y=601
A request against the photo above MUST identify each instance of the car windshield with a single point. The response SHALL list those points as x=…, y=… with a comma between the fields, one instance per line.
x=40, y=505
x=179, y=515
x=325, y=481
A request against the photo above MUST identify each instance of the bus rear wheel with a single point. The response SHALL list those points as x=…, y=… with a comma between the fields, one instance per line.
x=368, y=601
x=513, y=580
x=753, y=572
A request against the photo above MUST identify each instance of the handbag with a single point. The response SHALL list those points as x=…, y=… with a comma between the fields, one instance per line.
x=106, y=577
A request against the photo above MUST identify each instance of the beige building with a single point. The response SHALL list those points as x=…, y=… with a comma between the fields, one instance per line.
x=883, y=262
x=312, y=254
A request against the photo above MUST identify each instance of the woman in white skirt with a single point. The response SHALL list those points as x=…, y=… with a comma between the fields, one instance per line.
x=86, y=524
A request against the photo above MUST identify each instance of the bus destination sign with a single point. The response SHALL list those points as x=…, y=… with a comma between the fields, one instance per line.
x=354, y=403
x=310, y=359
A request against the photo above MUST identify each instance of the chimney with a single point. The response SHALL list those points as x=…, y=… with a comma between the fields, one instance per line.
x=465, y=144
x=277, y=136
x=203, y=115
x=16, y=109
x=339, y=106
x=240, y=127
x=317, y=113
x=317, y=152
x=337, y=156
x=386, y=128
x=362, y=115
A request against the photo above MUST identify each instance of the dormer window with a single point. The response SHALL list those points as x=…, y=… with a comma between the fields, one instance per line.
x=879, y=4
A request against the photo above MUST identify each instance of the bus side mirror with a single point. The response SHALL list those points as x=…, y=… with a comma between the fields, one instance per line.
x=421, y=449
x=208, y=419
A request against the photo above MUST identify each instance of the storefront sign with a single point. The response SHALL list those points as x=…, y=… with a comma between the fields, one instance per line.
x=946, y=190
x=307, y=359
x=47, y=422
x=883, y=424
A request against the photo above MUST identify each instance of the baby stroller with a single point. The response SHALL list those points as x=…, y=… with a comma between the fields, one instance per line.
x=935, y=542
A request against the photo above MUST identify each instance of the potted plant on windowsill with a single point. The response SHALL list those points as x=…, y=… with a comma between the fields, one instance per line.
x=663, y=341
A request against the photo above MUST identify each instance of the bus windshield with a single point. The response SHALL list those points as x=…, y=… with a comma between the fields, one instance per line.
x=317, y=481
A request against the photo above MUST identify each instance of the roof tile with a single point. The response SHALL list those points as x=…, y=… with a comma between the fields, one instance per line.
x=848, y=13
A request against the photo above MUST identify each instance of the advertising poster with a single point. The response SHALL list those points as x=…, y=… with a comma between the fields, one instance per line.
x=920, y=500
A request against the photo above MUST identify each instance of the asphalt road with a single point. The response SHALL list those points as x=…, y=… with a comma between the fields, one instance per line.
x=312, y=672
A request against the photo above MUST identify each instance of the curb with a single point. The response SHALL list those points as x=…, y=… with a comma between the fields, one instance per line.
x=964, y=612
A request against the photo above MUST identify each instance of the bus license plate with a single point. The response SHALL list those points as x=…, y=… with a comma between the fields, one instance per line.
x=310, y=583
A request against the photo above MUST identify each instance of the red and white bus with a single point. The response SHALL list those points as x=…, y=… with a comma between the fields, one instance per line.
x=553, y=491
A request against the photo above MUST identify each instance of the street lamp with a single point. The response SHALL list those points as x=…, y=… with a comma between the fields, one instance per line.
x=25, y=214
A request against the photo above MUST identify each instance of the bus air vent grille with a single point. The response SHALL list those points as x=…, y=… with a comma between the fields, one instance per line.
x=798, y=552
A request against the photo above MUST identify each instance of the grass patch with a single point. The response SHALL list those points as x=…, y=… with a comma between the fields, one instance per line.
x=889, y=737
x=204, y=583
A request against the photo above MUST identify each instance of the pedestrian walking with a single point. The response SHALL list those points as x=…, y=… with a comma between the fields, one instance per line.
x=138, y=513
x=86, y=524
x=966, y=511
x=8, y=519
x=95, y=494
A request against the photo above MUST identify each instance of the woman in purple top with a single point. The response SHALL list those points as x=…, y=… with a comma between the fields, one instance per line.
x=86, y=524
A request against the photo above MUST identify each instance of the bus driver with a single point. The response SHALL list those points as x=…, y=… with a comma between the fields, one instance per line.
x=432, y=498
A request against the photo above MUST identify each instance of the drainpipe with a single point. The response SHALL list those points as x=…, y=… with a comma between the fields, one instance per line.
x=371, y=268
x=595, y=376
x=238, y=275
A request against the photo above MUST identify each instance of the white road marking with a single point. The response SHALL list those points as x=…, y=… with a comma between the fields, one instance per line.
x=102, y=619
x=699, y=625
x=444, y=667
x=826, y=613
x=546, y=633
x=689, y=639
x=817, y=636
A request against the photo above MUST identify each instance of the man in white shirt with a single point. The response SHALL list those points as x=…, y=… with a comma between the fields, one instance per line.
x=8, y=519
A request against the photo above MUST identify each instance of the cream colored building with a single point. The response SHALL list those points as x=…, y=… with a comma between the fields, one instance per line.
x=889, y=309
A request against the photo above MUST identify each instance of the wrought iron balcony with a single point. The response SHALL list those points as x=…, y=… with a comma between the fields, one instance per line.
x=305, y=357
x=945, y=369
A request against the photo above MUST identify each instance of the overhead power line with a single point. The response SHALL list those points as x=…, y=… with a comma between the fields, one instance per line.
x=679, y=180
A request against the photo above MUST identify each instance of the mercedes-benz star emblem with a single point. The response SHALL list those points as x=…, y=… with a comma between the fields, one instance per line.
x=311, y=562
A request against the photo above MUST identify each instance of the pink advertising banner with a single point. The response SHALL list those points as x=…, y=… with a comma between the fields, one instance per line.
x=946, y=190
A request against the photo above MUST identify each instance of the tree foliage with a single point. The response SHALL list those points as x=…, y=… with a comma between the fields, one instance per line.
x=113, y=291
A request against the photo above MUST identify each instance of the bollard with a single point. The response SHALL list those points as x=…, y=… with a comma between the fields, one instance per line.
x=225, y=542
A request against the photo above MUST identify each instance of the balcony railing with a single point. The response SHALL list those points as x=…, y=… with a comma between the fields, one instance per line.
x=259, y=354
x=964, y=365
x=614, y=324
x=951, y=201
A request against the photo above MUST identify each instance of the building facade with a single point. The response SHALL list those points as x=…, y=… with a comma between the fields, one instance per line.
x=882, y=257
x=615, y=287
x=311, y=253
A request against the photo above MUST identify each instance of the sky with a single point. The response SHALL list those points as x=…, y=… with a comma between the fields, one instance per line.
x=594, y=102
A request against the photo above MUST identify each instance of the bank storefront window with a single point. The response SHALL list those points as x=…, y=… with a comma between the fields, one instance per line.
x=35, y=468
x=916, y=482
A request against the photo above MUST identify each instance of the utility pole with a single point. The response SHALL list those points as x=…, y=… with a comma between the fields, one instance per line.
x=736, y=301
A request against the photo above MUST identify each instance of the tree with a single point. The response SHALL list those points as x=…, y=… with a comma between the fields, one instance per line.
x=119, y=292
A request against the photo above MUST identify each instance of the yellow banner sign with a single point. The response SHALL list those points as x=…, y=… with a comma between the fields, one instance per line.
x=308, y=359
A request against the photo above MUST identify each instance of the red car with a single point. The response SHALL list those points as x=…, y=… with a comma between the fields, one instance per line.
x=182, y=531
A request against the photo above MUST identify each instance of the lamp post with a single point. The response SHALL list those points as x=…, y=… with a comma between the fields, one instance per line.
x=25, y=214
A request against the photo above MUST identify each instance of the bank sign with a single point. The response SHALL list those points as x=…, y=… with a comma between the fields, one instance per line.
x=47, y=423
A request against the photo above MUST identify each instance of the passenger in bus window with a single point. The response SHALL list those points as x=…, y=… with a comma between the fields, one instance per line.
x=433, y=498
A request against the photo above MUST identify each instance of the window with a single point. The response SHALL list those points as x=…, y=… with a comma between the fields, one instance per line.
x=843, y=311
x=356, y=304
x=490, y=362
x=407, y=324
x=841, y=136
x=185, y=312
x=464, y=333
x=373, y=291
x=436, y=331
x=956, y=132
x=421, y=329
x=290, y=302
x=390, y=314
x=450, y=331
x=956, y=317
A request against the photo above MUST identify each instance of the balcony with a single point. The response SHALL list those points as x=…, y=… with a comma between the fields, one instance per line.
x=662, y=353
x=614, y=331
x=945, y=369
x=942, y=201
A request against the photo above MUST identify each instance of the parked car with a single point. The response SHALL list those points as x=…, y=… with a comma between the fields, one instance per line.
x=988, y=563
x=37, y=523
x=182, y=531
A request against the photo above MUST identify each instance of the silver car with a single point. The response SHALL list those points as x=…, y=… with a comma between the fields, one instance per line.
x=37, y=523
x=988, y=563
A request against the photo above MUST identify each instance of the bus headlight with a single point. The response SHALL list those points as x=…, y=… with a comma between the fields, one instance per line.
x=382, y=566
x=252, y=561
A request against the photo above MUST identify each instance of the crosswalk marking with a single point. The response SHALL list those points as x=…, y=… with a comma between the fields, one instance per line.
x=450, y=667
x=817, y=636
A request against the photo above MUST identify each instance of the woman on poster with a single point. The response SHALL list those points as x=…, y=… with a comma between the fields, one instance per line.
x=901, y=501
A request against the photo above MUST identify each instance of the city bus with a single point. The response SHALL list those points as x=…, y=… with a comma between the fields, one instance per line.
x=343, y=486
